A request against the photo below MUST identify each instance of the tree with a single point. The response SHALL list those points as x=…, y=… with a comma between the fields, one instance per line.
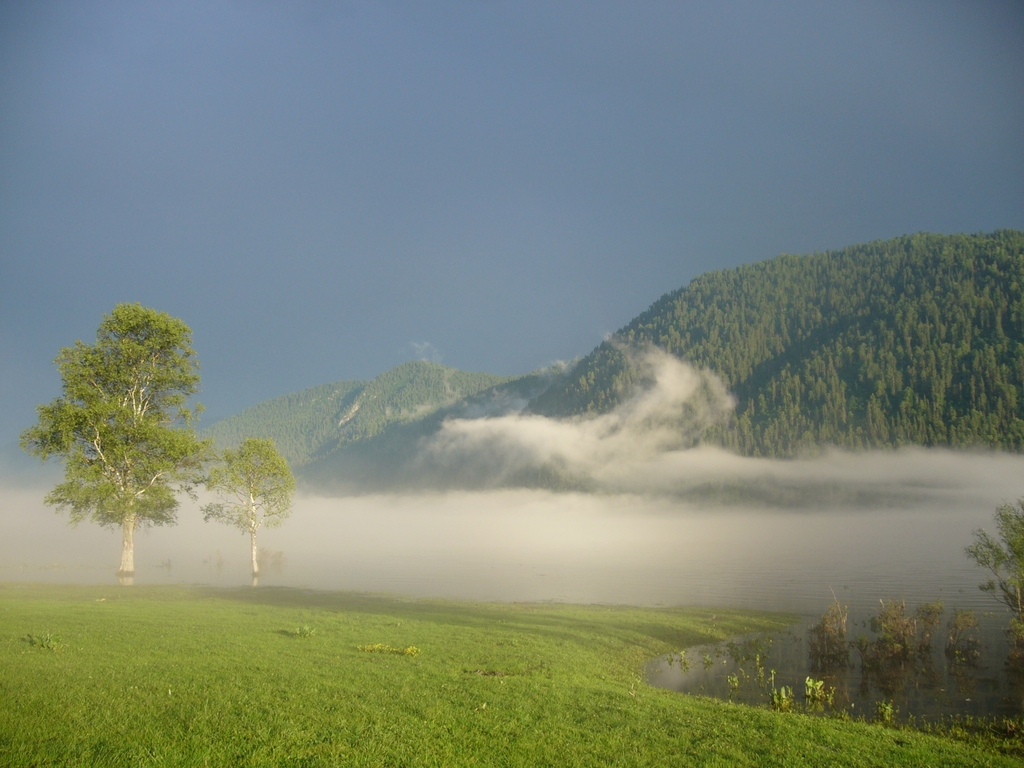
x=258, y=482
x=1005, y=558
x=122, y=425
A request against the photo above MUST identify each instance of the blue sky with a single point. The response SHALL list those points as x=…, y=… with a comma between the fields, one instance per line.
x=323, y=190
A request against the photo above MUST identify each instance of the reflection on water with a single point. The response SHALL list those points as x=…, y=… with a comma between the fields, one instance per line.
x=927, y=682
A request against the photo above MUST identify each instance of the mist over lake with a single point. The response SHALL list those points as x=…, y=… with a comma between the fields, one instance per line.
x=870, y=526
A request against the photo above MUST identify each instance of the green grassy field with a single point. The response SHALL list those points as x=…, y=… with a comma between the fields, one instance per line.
x=107, y=676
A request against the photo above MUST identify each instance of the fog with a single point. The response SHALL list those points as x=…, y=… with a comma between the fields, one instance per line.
x=672, y=406
x=663, y=520
x=533, y=545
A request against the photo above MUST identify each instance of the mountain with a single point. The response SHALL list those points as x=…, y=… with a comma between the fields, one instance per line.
x=310, y=425
x=919, y=339
x=915, y=340
x=395, y=458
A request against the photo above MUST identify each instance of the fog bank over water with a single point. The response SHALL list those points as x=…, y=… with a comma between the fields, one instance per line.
x=585, y=547
x=654, y=518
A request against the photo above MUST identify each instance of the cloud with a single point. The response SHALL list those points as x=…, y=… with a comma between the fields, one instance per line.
x=426, y=351
x=679, y=404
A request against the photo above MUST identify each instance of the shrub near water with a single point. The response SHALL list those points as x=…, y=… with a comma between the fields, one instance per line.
x=962, y=644
x=827, y=639
x=929, y=616
x=896, y=631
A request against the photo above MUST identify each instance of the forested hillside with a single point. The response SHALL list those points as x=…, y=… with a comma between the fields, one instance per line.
x=311, y=424
x=299, y=423
x=919, y=340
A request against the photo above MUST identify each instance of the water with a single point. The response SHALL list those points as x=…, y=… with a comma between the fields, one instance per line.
x=928, y=686
x=530, y=545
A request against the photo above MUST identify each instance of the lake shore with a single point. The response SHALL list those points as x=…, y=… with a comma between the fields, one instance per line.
x=181, y=675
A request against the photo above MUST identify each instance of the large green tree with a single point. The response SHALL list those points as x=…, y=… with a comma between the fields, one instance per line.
x=257, y=485
x=123, y=425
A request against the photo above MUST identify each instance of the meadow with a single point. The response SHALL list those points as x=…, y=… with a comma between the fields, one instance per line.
x=175, y=675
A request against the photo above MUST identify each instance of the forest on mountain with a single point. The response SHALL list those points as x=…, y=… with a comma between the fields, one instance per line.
x=915, y=340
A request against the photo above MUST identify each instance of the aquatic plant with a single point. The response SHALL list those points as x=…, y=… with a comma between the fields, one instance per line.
x=734, y=684
x=896, y=630
x=1015, y=636
x=816, y=695
x=782, y=699
x=929, y=616
x=863, y=647
x=759, y=668
x=885, y=712
x=888, y=660
x=827, y=639
x=962, y=644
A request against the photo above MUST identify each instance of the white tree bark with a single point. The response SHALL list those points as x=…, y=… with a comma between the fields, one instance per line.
x=128, y=548
x=255, y=565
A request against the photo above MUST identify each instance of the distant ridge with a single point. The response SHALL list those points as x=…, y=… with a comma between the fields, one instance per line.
x=311, y=424
x=915, y=340
x=395, y=457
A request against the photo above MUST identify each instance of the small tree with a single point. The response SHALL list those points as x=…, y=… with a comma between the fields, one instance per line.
x=258, y=482
x=1004, y=559
x=122, y=425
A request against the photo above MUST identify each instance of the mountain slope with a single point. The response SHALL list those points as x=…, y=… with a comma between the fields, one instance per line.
x=919, y=339
x=315, y=422
x=300, y=423
x=395, y=457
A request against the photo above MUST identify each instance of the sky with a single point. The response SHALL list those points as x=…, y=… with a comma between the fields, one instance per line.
x=324, y=190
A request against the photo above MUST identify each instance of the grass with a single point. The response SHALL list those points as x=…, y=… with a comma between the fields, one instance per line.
x=192, y=676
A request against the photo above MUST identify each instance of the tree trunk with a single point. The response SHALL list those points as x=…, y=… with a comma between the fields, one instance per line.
x=128, y=549
x=255, y=565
